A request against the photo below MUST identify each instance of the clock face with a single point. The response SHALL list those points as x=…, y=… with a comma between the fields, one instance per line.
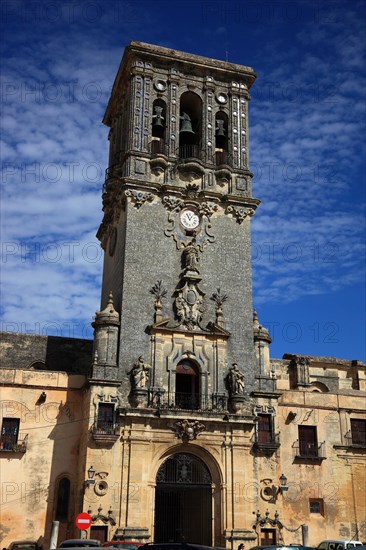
x=189, y=219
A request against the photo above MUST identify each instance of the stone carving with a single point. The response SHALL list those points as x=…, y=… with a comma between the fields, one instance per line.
x=219, y=299
x=160, y=293
x=103, y=518
x=188, y=430
x=266, y=520
x=189, y=301
x=140, y=374
x=191, y=256
x=207, y=208
x=235, y=381
x=190, y=307
x=239, y=212
x=172, y=203
x=175, y=230
x=139, y=197
x=302, y=368
x=192, y=190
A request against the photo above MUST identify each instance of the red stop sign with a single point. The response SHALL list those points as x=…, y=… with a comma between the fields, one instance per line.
x=83, y=521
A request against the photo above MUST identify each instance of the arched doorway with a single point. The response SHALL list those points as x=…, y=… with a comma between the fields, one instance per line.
x=183, y=503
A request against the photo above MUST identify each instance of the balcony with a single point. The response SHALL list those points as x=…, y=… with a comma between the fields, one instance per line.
x=158, y=147
x=159, y=152
x=309, y=451
x=189, y=152
x=222, y=158
x=105, y=432
x=187, y=402
x=267, y=442
x=11, y=444
x=355, y=439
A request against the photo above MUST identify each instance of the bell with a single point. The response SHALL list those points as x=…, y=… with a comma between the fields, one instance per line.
x=158, y=117
x=186, y=127
x=220, y=130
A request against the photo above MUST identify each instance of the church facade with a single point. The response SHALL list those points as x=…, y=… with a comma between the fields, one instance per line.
x=175, y=424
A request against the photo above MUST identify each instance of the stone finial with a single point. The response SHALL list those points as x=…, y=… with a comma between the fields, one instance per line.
x=108, y=315
x=160, y=293
x=260, y=333
x=219, y=299
x=255, y=319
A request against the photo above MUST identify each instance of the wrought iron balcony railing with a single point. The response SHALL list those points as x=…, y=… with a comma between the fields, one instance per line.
x=355, y=439
x=158, y=147
x=310, y=451
x=189, y=151
x=222, y=157
x=8, y=443
x=105, y=428
x=266, y=441
x=180, y=401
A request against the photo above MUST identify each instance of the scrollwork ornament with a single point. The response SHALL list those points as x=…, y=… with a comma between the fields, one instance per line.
x=139, y=197
x=173, y=203
x=207, y=208
x=239, y=212
x=188, y=430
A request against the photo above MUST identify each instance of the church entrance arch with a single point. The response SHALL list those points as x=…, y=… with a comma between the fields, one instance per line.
x=183, y=501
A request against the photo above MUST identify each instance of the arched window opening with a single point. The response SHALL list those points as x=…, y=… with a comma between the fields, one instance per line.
x=158, y=126
x=187, y=385
x=63, y=499
x=221, y=138
x=190, y=125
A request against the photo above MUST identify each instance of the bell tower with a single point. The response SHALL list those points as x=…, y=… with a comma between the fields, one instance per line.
x=175, y=365
x=177, y=204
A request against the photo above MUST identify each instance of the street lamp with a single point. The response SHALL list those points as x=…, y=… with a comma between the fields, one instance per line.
x=283, y=484
x=91, y=474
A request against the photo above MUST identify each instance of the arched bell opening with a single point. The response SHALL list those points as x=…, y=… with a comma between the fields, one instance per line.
x=221, y=138
x=158, y=126
x=190, y=125
x=183, y=501
x=187, y=385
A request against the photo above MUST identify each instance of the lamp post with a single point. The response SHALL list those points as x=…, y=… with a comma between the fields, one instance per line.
x=91, y=474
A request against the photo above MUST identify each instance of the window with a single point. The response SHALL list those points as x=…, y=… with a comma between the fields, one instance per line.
x=9, y=433
x=316, y=506
x=358, y=432
x=265, y=432
x=308, y=441
x=105, y=420
x=187, y=385
x=63, y=499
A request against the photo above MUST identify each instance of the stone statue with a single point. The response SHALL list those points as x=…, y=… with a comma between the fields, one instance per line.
x=302, y=367
x=191, y=255
x=235, y=381
x=140, y=373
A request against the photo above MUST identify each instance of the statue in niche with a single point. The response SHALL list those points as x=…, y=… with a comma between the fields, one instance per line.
x=140, y=374
x=235, y=381
x=191, y=255
x=302, y=365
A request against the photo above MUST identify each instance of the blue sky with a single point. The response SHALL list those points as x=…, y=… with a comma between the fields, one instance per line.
x=307, y=128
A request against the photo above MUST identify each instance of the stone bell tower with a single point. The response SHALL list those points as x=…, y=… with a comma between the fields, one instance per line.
x=175, y=364
x=177, y=205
